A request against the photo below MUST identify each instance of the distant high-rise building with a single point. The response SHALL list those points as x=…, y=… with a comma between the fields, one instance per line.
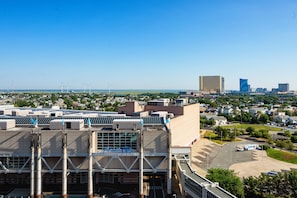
x=212, y=84
x=244, y=85
x=283, y=87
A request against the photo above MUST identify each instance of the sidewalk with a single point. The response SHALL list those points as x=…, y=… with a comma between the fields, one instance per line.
x=202, y=155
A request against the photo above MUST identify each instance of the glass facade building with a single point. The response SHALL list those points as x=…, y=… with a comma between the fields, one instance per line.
x=244, y=85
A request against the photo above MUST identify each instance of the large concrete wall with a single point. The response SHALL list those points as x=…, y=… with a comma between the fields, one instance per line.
x=155, y=142
x=15, y=142
x=77, y=143
x=186, y=129
x=176, y=110
x=130, y=108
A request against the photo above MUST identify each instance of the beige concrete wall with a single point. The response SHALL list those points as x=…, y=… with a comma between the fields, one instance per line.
x=115, y=164
x=176, y=110
x=7, y=124
x=77, y=143
x=130, y=108
x=155, y=142
x=15, y=142
x=185, y=129
x=51, y=143
x=5, y=112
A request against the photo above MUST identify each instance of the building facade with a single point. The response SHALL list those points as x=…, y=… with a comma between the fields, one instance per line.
x=283, y=87
x=243, y=85
x=212, y=84
x=87, y=156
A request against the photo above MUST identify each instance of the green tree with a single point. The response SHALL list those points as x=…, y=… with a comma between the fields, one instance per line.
x=281, y=185
x=287, y=133
x=294, y=138
x=250, y=129
x=264, y=118
x=291, y=177
x=227, y=180
x=252, y=187
x=54, y=98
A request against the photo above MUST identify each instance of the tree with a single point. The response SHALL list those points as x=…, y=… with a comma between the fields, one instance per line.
x=294, y=138
x=264, y=118
x=291, y=177
x=287, y=133
x=227, y=180
x=280, y=185
x=250, y=129
x=252, y=187
x=222, y=132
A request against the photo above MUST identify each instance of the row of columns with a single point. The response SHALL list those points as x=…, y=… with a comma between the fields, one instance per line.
x=169, y=170
x=36, y=142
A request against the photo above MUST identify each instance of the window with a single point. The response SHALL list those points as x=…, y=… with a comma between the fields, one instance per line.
x=117, y=142
x=14, y=162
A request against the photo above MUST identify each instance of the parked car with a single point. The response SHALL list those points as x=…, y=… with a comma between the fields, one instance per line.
x=239, y=148
x=271, y=173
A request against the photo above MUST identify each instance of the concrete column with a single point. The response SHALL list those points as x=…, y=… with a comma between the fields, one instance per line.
x=90, y=172
x=169, y=173
x=204, y=192
x=32, y=183
x=182, y=174
x=39, y=177
x=141, y=165
x=64, y=164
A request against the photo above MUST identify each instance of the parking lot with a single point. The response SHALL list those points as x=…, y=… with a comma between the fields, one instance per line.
x=206, y=154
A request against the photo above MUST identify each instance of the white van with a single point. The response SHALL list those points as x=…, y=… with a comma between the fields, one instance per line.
x=250, y=147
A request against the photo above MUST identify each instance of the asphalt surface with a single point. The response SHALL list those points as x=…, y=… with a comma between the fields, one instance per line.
x=210, y=155
x=228, y=155
x=207, y=154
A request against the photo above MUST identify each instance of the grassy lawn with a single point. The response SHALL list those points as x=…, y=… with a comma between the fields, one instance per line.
x=282, y=155
x=214, y=137
x=255, y=126
x=210, y=134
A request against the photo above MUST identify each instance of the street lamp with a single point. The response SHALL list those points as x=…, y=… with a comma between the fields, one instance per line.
x=221, y=138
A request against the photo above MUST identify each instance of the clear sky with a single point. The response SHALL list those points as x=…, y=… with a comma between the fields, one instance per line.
x=146, y=44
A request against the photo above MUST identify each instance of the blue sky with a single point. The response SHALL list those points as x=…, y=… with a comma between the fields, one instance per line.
x=146, y=44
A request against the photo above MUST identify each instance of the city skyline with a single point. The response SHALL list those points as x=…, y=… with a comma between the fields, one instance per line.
x=146, y=44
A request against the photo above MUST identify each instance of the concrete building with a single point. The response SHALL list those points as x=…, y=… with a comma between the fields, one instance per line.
x=53, y=156
x=212, y=84
x=283, y=87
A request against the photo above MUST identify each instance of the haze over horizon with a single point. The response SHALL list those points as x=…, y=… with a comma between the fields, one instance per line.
x=154, y=44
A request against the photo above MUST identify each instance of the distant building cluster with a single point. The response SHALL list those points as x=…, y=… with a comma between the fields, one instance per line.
x=216, y=85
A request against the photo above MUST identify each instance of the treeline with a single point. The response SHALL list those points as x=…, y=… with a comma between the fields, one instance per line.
x=283, y=184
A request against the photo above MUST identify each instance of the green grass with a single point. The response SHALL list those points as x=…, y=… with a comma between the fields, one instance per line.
x=282, y=155
x=214, y=138
x=255, y=126
x=210, y=134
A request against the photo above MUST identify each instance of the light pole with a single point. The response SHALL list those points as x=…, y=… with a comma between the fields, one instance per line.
x=221, y=137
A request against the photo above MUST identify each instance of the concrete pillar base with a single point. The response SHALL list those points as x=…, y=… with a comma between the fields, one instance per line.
x=90, y=196
x=64, y=196
x=31, y=196
x=38, y=196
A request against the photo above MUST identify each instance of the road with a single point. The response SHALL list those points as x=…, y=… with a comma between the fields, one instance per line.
x=281, y=128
